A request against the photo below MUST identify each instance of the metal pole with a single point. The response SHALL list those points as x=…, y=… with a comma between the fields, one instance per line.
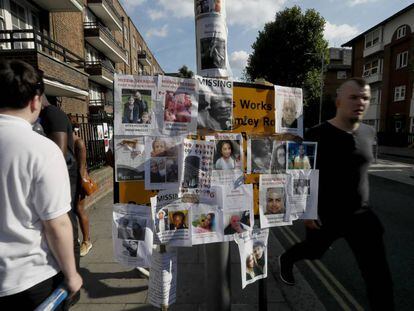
x=321, y=97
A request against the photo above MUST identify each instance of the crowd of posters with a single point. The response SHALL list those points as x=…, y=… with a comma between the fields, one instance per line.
x=132, y=234
x=129, y=158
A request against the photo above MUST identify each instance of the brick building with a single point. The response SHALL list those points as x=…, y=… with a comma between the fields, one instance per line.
x=384, y=56
x=78, y=45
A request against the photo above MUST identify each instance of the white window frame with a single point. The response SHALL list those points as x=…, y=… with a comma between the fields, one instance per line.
x=375, y=97
x=126, y=33
x=370, y=70
x=399, y=93
x=402, y=60
x=134, y=42
x=401, y=32
x=372, y=38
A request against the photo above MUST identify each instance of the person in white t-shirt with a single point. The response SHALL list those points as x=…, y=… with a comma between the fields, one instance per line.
x=226, y=161
x=36, y=237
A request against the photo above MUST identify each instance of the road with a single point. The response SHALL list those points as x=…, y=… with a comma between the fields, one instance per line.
x=336, y=278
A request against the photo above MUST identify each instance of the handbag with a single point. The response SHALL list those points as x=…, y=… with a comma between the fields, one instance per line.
x=89, y=185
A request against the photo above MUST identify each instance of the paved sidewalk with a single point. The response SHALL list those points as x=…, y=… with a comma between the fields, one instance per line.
x=109, y=286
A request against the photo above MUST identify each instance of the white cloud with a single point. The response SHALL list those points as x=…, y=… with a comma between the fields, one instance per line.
x=338, y=34
x=357, y=2
x=238, y=60
x=179, y=9
x=158, y=32
x=155, y=14
x=131, y=4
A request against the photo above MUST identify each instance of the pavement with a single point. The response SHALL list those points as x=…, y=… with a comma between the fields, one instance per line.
x=110, y=286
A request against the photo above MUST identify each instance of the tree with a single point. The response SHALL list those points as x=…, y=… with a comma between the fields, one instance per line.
x=184, y=72
x=289, y=50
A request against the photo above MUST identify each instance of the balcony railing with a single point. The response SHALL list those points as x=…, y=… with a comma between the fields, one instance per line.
x=110, y=5
x=98, y=65
x=108, y=34
x=31, y=39
x=143, y=58
x=100, y=102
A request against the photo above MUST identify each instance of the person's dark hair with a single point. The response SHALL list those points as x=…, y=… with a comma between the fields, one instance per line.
x=181, y=214
x=258, y=244
x=220, y=146
x=19, y=83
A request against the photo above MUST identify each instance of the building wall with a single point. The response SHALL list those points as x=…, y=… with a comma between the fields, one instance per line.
x=405, y=19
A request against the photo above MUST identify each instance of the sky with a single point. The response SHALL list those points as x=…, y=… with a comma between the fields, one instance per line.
x=168, y=26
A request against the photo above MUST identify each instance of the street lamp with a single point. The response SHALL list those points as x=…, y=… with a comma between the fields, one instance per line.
x=321, y=95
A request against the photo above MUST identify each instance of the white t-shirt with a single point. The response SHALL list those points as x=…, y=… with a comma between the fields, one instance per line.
x=223, y=164
x=34, y=186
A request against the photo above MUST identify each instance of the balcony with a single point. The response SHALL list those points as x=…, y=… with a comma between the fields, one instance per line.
x=100, y=73
x=374, y=49
x=143, y=59
x=100, y=102
x=62, y=69
x=102, y=39
x=60, y=5
x=105, y=10
x=372, y=78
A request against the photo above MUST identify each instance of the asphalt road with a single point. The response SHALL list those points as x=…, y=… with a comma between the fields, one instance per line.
x=336, y=278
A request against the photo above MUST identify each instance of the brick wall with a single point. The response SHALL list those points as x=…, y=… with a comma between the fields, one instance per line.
x=74, y=105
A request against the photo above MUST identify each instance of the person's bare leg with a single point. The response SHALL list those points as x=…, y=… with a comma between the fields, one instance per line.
x=83, y=219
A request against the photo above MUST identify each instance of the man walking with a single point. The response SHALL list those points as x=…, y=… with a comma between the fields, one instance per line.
x=36, y=238
x=344, y=155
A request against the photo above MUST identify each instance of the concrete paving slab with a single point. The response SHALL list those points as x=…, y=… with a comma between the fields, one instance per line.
x=98, y=307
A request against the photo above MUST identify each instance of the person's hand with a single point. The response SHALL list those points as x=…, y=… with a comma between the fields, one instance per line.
x=73, y=284
x=311, y=224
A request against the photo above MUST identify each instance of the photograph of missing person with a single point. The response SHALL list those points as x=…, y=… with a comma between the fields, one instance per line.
x=202, y=6
x=256, y=261
x=157, y=169
x=289, y=113
x=130, y=229
x=164, y=147
x=204, y=223
x=130, y=248
x=301, y=155
x=278, y=159
x=177, y=107
x=301, y=186
x=215, y=112
x=260, y=155
x=213, y=53
x=178, y=220
x=191, y=172
x=136, y=106
x=237, y=222
x=171, y=168
x=161, y=221
x=275, y=201
x=227, y=155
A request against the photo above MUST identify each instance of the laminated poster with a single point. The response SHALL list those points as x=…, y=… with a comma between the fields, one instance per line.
x=129, y=158
x=132, y=235
x=301, y=156
x=288, y=110
x=259, y=155
x=207, y=224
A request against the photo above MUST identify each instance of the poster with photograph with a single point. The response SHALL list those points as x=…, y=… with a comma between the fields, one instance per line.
x=172, y=219
x=273, y=207
x=135, y=104
x=215, y=103
x=237, y=206
x=301, y=156
x=211, y=38
x=259, y=155
x=253, y=255
x=163, y=162
x=227, y=158
x=288, y=110
x=179, y=99
x=129, y=158
x=132, y=234
x=207, y=224
x=162, y=285
x=197, y=165
x=105, y=130
x=99, y=129
x=278, y=159
x=302, y=194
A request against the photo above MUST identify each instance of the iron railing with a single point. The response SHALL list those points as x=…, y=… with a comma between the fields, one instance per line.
x=105, y=31
x=109, y=4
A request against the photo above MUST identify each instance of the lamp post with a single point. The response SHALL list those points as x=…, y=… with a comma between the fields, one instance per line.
x=321, y=95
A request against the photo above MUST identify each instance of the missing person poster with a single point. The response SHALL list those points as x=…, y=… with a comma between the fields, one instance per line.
x=129, y=158
x=259, y=154
x=288, y=110
x=132, y=234
x=180, y=104
x=215, y=103
x=211, y=38
x=253, y=255
x=227, y=159
x=278, y=159
x=301, y=156
x=163, y=162
x=273, y=207
x=135, y=104
x=207, y=224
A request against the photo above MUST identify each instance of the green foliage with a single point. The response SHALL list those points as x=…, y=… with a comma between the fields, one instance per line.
x=184, y=72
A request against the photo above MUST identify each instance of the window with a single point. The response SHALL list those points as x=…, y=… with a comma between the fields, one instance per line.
x=126, y=34
x=399, y=93
x=127, y=57
x=134, y=42
x=372, y=38
x=375, y=97
x=372, y=68
x=402, y=60
x=401, y=32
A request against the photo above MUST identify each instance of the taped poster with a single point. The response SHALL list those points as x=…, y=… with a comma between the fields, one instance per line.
x=301, y=156
x=179, y=98
x=132, y=234
x=135, y=104
x=302, y=194
x=163, y=164
x=288, y=110
x=278, y=160
x=227, y=158
x=172, y=219
x=211, y=38
x=215, y=103
x=129, y=158
x=273, y=206
x=207, y=224
x=253, y=255
x=162, y=285
x=259, y=155
x=237, y=206
x=196, y=172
